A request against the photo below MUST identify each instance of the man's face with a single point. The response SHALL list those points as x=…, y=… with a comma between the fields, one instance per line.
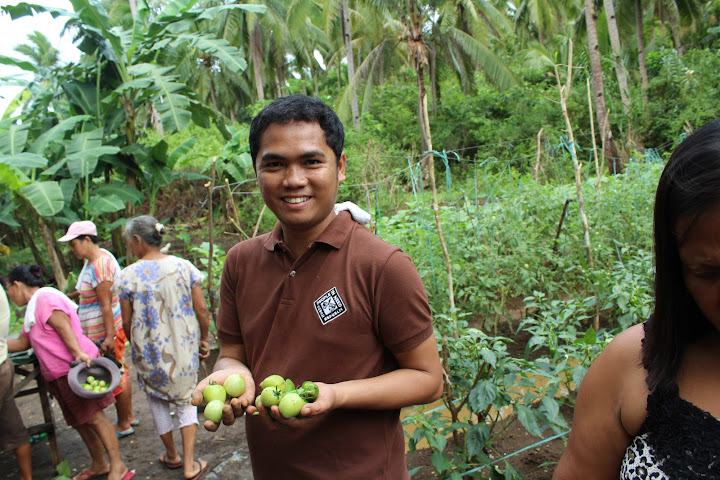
x=298, y=176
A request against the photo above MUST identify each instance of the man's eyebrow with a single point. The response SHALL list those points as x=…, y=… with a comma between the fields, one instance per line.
x=312, y=153
x=271, y=156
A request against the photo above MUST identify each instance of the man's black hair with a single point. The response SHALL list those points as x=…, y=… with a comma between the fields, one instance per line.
x=298, y=108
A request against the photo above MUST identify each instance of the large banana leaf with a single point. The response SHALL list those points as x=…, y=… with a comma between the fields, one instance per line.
x=104, y=204
x=83, y=95
x=45, y=197
x=24, y=160
x=56, y=133
x=84, y=150
x=13, y=140
x=9, y=178
x=27, y=66
x=126, y=193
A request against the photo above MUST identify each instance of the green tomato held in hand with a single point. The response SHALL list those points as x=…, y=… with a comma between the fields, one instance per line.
x=213, y=410
x=309, y=391
x=214, y=391
x=290, y=405
x=273, y=381
x=270, y=396
x=234, y=385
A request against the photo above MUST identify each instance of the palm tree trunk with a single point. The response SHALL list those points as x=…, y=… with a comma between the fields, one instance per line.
x=610, y=150
x=641, y=48
x=257, y=57
x=347, y=38
x=617, y=55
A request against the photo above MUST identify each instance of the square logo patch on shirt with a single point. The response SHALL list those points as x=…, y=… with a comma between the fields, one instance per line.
x=330, y=306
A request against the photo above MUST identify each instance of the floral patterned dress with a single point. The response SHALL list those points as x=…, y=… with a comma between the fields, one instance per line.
x=165, y=334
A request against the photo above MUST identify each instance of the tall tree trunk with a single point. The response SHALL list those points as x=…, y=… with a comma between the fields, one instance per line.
x=620, y=71
x=610, y=150
x=641, y=48
x=347, y=38
x=49, y=242
x=257, y=57
x=433, y=80
x=419, y=54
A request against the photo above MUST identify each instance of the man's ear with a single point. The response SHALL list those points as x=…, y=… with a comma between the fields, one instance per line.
x=342, y=163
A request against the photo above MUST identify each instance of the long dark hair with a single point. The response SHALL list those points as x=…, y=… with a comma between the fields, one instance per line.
x=689, y=186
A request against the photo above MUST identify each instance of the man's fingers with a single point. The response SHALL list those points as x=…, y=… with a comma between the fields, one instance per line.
x=211, y=426
x=228, y=416
x=197, y=397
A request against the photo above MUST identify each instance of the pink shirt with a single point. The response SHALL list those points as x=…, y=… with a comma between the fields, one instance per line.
x=49, y=347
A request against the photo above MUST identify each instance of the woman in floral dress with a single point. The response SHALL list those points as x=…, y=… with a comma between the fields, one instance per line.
x=166, y=319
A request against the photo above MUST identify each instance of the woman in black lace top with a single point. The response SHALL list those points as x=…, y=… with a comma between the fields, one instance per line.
x=649, y=405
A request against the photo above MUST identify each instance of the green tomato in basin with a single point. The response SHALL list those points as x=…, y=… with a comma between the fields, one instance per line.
x=213, y=410
x=234, y=385
x=290, y=405
x=214, y=391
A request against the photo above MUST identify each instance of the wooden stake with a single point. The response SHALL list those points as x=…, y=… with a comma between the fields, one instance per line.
x=564, y=91
x=537, y=160
x=211, y=291
x=257, y=225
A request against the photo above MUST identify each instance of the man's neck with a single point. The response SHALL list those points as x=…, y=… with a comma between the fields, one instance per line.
x=299, y=240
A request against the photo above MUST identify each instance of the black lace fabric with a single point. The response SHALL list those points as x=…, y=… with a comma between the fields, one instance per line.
x=685, y=439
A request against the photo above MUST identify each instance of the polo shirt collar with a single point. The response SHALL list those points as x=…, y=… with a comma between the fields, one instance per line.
x=334, y=235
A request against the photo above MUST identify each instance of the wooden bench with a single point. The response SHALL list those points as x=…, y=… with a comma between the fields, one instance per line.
x=27, y=366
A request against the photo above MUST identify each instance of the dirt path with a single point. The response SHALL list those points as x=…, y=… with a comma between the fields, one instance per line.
x=225, y=450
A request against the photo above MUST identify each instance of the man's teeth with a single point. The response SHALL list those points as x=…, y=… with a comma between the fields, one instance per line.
x=297, y=199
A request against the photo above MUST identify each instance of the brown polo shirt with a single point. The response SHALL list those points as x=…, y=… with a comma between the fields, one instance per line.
x=338, y=312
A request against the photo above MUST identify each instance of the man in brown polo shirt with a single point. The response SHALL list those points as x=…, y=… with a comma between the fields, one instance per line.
x=321, y=298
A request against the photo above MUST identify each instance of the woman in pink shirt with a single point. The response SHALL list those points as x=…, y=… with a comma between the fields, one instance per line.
x=52, y=328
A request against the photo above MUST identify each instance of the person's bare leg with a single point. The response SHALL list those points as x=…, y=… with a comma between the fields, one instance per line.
x=95, y=447
x=171, y=453
x=106, y=433
x=188, y=439
x=23, y=455
x=123, y=406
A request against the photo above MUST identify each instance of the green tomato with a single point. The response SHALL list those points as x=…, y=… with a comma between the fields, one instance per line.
x=214, y=391
x=90, y=379
x=234, y=385
x=274, y=381
x=87, y=386
x=258, y=400
x=290, y=405
x=213, y=410
x=270, y=396
x=102, y=383
x=309, y=391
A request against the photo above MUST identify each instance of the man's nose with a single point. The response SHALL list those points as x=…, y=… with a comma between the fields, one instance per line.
x=295, y=176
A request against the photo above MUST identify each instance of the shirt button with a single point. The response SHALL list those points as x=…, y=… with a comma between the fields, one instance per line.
x=292, y=274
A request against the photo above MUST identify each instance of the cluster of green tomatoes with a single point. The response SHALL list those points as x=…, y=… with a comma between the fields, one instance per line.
x=275, y=391
x=282, y=392
x=94, y=385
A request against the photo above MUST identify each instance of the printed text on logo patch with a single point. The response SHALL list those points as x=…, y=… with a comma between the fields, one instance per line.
x=329, y=306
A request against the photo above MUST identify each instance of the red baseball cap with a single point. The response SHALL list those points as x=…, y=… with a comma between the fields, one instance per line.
x=86, y=227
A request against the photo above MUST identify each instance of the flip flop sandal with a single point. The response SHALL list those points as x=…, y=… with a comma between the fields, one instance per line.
x=126, y=433
x=199, y=474
x=133, y=424
x=86, y=474
x=169, y=465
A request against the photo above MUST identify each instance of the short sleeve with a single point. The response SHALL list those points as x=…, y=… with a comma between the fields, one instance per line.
x=46, y=304
x=106, y=269
x=121, y=286
x=196, y=276
x=403, y=324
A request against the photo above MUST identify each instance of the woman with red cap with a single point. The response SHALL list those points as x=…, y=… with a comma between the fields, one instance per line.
x=99, y=310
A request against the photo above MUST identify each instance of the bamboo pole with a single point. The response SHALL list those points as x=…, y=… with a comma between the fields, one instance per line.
x=211, y=290
x=257, y=224
x=537, y=159
x=564, y=91
x=592, y=134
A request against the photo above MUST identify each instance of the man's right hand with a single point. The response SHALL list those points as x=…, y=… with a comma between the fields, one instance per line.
x=236, y=406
